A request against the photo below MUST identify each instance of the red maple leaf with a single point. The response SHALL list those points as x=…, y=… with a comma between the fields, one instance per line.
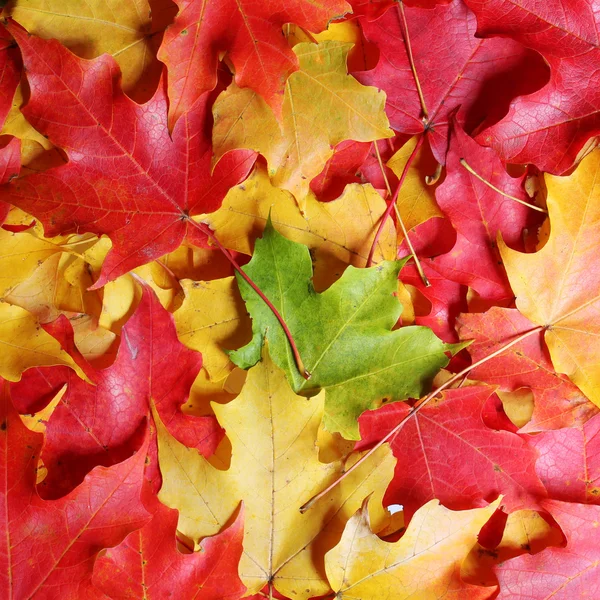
x=101, y=424
x=479, y=213
x=148, y=565
x=549, y=127
x=569, y=462
x=126, y=177
x=49, y=547
x=446, y=452
x=558, y=402
x=251, y=35
x=456, y=71
x=10, y=71
x=558, y=573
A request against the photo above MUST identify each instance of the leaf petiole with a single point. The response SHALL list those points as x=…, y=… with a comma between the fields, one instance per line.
x=415, y=409
x=400, y=221
x=297, y=358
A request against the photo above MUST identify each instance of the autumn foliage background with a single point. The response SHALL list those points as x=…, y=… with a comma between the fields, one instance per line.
x=411, y=188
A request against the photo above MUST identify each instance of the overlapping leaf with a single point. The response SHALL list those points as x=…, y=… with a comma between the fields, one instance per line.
x=298, y=148
x=549, y=127
x=446, y=452
x=425, y=561
x=558, y=573
x=249, y=32
x=101, y=424
x=274, y=469
x=456, y=71
x=557, y=402
x=568, y=310
x=147, y=563
x=343, y=334
x=49, y=547
x=116, y=182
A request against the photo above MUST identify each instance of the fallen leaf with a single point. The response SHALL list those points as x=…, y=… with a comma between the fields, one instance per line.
x=446, y=452
x=297, y=149
x=457, y=71
x=90, y=193
x=99, y=425
x=558, y=403
x=25, y=344
x=338, y=233
x=424, y=563
x=569, y=462
x=147, y=563
x=274, y=470
x=49, y=547
x=558, y=573
x=250, y=34
x=479, y=213
x=126, y=30
x=549, y=127
x=569, y=309
x=211, y=319
x=343, y=334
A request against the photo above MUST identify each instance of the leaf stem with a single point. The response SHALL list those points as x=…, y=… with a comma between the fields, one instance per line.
x=415, y=409
x=411, y=60
x=468, y=167
x=207, y=231
x=401, y=222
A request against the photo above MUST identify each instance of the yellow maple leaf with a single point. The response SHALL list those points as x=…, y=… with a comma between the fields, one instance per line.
x=559, y=286
x=339, y=233
x=212, y=317
x=122, y=28
x=416, y=201
x=274, y=470
x=322, y=106
x=423, y=564
x=59, y=284
x=525, y=531
x=24, y=344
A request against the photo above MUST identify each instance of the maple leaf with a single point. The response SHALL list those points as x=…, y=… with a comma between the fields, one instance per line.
x=298, y=148
x=416, y=201
x=101, y=424
x=549, y=127
x=456, y=71
x=558, y=573
x=148, y=565
x=447, y=299
x=569, y=310
x=343, y=334
x=250, y=34
x=340, y=170
x=568, y=462
x=524, y=531
x=59, y=284
x=126, y=30
x=212, y=316
x=22, y=253
x=49, y=547
x=26, y=344
x=424, y=562
x=274, y=468
x=115, y=182
x=446, y=452
x=478, y=212
x=338, y=233
x=558, y=403
x=10, y=71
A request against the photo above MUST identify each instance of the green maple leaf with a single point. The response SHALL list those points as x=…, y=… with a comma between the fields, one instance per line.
x=344, y=334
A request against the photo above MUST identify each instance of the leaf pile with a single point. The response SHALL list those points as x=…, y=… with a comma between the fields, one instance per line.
x=299, y=300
